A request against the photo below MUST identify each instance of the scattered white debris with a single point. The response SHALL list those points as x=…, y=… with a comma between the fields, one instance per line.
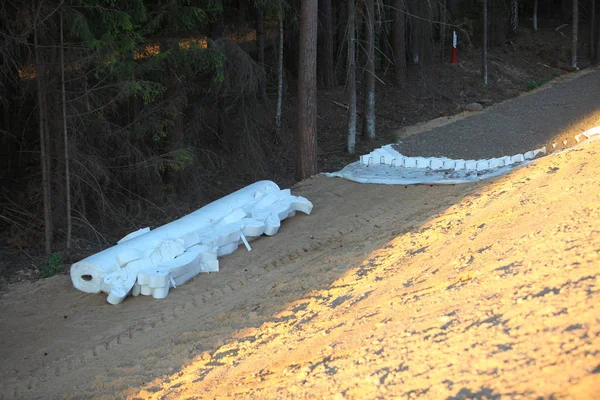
x=388, y=166
x=151, y=262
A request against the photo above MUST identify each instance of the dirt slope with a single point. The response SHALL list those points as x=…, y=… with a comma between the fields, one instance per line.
x=486, y=290
x=495, y=296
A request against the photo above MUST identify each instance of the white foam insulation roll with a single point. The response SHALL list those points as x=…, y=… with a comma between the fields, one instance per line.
x=150, y=262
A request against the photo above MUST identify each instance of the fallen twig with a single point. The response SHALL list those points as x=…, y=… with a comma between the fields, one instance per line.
x=547, y=66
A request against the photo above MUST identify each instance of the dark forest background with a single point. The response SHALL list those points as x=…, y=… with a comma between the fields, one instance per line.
x=118, y=113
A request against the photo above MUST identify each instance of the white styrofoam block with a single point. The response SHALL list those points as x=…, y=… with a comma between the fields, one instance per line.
x=227, y=249
x=145, y=290
x=437, y=163
x=153, y=261
x=400, y=162
x=529, y=155
x=136, y=290
x=592, y=132
x=507, y=160
x=410, y=162
x=450, y=164
x=578, y=138
x=517, y=158
x=423, y=162
x=160, y=293
x=159, y=279
x=496, y=163
x=379, y=156
x=482, y=165
x=541, y=150
x=471, y=165
x=209, y=266
x=460, y=165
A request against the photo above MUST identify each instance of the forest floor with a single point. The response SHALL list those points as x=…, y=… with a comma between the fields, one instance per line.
x=481, y=290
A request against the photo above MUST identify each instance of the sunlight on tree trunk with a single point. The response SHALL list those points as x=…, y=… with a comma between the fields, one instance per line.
x=306, y=143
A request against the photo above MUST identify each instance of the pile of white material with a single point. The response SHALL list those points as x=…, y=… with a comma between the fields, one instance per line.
x=387, y=166
x=151, y=262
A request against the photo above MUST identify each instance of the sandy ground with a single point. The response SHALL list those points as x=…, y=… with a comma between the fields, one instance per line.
x=484, y=290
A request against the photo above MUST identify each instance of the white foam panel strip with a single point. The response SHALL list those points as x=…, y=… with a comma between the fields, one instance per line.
x=150, y=262
x=387, y=155
x=389, y=167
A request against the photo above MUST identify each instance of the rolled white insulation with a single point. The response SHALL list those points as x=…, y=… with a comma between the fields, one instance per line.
x=150, y=262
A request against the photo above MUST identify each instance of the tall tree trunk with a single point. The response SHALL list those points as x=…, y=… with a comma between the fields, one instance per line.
x=260, y=49
x=44, y=145
x=65, y=134
x=279, y=77
x=399, y=42
x=535, y=15
x=351, y=76
x=514, y=16
x=592, y=24
x=325, y=56
x=369, y=73
x=484, y=65
x=574, y=34
x=306, y=143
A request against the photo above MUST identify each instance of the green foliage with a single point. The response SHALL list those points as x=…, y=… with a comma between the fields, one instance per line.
x=181, y=159
x=52, y=267
x=531, y=85
x=147, y=90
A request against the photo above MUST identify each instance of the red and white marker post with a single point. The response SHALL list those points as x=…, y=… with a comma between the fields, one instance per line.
x=454, y=40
